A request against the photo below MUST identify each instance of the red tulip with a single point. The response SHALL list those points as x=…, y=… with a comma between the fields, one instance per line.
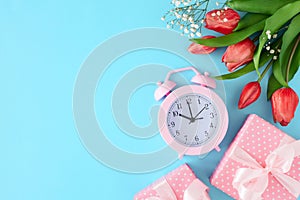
x=201, y=49
x=238, y=54
x=250, y=93
x=284, y=103
x=222, y=20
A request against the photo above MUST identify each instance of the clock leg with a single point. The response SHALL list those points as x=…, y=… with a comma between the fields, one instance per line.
x=217, y=149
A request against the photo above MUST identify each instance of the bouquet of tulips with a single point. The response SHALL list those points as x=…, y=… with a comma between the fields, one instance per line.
x=267, y=36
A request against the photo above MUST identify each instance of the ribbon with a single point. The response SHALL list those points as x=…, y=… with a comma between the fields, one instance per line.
x=252, y=181
x=195, y=191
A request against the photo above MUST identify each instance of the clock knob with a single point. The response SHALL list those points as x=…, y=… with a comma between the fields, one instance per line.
x=204, y=80
x=163, y=89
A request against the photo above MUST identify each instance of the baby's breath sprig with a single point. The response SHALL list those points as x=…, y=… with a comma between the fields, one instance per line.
x=274, y=50
x=187, y=15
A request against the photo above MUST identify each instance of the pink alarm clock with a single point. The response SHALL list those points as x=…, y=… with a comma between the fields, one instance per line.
x=192, y=119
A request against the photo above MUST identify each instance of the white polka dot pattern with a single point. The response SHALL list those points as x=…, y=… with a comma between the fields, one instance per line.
x=179, y=180
x=258, y=138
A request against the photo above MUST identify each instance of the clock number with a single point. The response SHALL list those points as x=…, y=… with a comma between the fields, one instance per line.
x=189, y=100
x=212, y=115
x=179, y=106
x=206, y=106
x=172, y=124
x=211, y=125
x=196, y=138
x=177, y=133
x=199, y=101
x=175, y=113
x=186, y=137
x=205, y=133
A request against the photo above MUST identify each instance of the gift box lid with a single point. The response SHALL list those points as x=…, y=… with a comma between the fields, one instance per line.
x=258, y=138
x=179, y=181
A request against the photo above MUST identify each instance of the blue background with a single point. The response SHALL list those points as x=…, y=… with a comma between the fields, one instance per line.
x=42, y=46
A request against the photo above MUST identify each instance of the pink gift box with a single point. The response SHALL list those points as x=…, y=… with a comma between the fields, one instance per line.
x=256, y=141
x=178, y=181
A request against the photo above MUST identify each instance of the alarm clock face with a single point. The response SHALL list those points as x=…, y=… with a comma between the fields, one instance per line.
x=193, y=120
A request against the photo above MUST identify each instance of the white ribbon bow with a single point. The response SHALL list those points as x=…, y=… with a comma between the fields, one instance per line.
x=195, y=191
x=252, y=182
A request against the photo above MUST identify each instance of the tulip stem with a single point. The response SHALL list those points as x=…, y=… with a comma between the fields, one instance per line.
x=265, y=71
x=291, y=58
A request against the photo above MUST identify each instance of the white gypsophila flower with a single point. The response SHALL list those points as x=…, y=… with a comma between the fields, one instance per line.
x=274, y=57
x=187, y=15
x=193, y=30
x=268, y=48
x=178, y=16
x=177, y=3
x=272, y=51
x=275, y=36
x=186, y=30
x=268, y=33
x=269, y=37
x=217, y=3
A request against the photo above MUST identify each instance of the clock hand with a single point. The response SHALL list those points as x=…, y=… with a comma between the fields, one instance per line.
x=190, y=110
x=199, y=112
x=199, y=118
x=185, y=117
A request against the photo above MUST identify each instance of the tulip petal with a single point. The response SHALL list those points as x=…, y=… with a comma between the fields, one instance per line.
x=238, y=54
x=284, y=103
x=250, y=94
x=222, y=20
x=201, y=49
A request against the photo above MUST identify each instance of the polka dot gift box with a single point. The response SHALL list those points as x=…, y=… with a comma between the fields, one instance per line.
x=180, y=184
x=261, y=163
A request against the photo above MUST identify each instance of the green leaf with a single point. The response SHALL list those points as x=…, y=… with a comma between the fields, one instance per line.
x=232, y=38
x=273, y=23
x=249, y=19
x=278, y=74
x=258, y=6
x=288, y=40
x=295, y=63
x=273, y=85
x=245, y=70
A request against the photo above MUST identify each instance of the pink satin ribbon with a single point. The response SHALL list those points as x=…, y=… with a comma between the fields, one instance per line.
x=195, y=191
x=252, y=181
